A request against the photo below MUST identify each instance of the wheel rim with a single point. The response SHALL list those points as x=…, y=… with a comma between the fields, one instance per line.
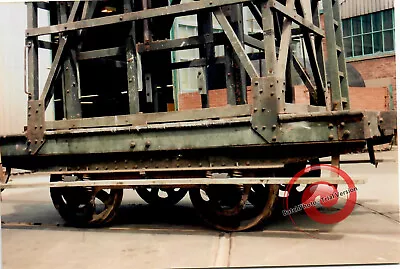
x=161, y=196
x=85, y=206
x=237, y=214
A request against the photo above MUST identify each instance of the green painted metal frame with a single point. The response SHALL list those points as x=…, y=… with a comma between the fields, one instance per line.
x=268, y=122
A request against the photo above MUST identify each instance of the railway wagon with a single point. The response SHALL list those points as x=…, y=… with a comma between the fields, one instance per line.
x=118, y=126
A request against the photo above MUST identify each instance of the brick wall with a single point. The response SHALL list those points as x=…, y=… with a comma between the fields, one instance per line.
x=217, y=98
x=369, y=98
x=377, y=68
x=376, y=98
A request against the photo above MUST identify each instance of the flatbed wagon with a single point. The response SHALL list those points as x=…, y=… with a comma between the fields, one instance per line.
x=110, y=86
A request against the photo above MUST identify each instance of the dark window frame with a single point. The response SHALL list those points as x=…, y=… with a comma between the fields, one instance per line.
x=373, y=36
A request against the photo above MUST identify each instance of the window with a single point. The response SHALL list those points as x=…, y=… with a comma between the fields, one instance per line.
x=369, y=34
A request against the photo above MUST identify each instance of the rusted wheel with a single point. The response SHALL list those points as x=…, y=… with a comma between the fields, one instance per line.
x=161, y=196
x=296, y=192
x=85, y=206
x=226, y=207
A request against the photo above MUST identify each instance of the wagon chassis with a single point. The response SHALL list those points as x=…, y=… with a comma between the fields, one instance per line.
x=253, y=136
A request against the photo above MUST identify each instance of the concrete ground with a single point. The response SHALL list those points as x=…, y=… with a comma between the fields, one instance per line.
x=33, y=234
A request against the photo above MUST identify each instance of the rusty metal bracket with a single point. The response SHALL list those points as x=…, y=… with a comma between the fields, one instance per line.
x=36, y=126
x=387, y=122
x=371, y=153
x=265, y=108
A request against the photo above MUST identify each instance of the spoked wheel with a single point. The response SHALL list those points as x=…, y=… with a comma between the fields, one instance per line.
x=161, y=196
x=85, y=206
x=297, y=190
x=226, y=207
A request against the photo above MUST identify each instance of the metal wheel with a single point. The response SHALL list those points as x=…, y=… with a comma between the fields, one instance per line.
x=85, y=206
x=226, y=207
x=296, y=191
x=161, y=196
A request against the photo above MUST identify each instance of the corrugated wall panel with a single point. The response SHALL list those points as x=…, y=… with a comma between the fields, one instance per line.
x=352, y=8
x=12, y=40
